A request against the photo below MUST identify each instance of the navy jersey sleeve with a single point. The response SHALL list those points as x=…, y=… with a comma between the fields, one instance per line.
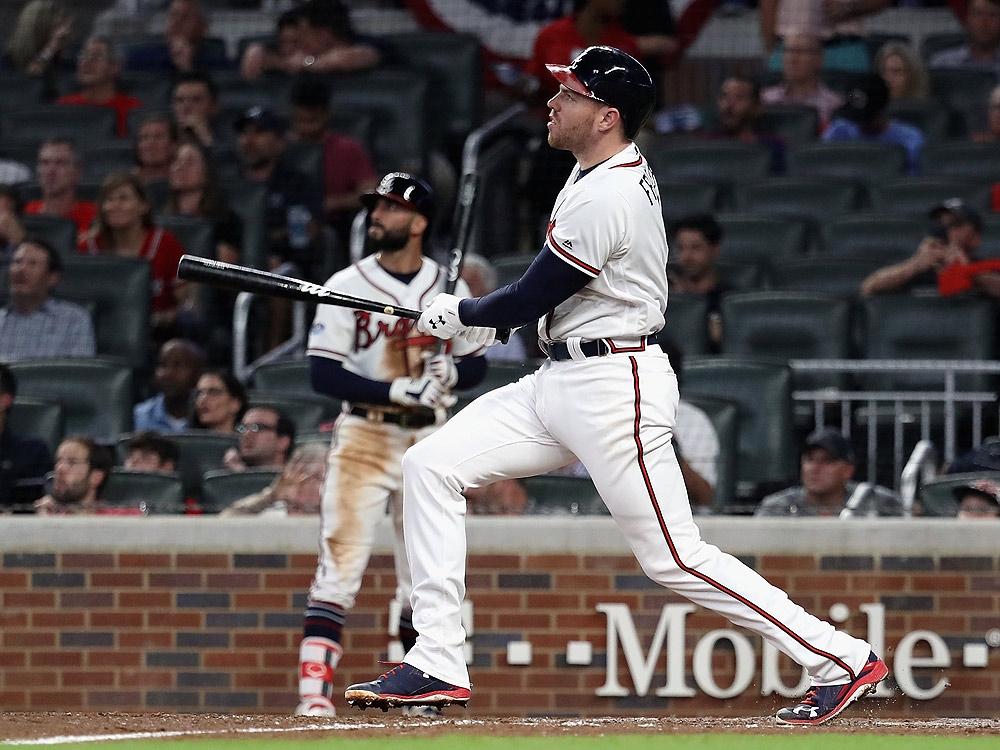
x=548, y=282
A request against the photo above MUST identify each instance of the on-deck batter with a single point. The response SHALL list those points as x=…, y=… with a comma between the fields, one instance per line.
x=396, y=391
x=599, y=288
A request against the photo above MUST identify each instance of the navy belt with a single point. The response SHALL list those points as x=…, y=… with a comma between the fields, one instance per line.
x=409, y=420
x=558, y=351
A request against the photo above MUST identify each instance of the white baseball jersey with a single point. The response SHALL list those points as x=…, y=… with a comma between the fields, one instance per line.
x=376, y=346
x=616, y=414
x=622, y=246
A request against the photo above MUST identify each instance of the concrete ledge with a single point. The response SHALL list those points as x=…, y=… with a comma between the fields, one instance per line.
x=529, y=534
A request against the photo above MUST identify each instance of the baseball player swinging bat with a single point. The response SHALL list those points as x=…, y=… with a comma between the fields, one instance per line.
x=245, y=279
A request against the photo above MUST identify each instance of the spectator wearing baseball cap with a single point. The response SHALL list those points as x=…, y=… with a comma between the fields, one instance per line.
x=293, y=212
x=979, y=500
x=865, y=117
x=827, y=487
x=946, y=258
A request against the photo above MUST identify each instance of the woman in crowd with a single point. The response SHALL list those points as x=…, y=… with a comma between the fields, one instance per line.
x=195, y=191
x=219, y=403
x=902, y=71
x=124, y=227
x=155, y=147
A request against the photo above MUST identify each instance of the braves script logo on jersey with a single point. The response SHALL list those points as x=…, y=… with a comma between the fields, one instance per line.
x=367, y=331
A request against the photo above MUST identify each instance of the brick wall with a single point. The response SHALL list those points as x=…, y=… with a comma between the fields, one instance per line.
x=211, y=621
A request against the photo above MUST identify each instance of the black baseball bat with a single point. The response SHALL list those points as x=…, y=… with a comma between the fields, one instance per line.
x=244, y=279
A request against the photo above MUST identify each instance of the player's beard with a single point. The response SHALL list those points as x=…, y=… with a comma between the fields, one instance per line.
x=384, y=240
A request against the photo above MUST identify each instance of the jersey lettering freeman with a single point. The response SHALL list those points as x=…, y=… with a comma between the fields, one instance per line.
x=375, y=346
x=609, y=225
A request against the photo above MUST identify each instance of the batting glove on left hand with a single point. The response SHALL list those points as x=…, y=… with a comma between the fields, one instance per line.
x=442, y=368
x=441, y=317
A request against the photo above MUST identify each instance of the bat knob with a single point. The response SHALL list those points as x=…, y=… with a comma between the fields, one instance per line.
x=503, y=335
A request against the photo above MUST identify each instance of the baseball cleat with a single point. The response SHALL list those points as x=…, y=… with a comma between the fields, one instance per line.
x=404, y=685
x=315, y=705
x=823, y=703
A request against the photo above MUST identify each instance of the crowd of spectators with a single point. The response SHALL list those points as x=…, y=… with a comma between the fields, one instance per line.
x=190, y=156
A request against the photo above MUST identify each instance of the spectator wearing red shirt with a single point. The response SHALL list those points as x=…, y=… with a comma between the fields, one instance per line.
x=125, y=228
x=97, y=71
x=559, y=42
x=59, y=175
x=347, y=168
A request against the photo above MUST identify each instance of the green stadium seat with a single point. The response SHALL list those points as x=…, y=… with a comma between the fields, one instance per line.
x=793, y=123
x=861, y=161
x=39, y=418
x=815, y=198
x=761, y=239
x=724, y=415
x=834, y=276
x=148, y=493
x=681, y=197
x=916, y=196
x=973, y=161
x=886, y=238
x=555, y=494
x=926, y=114
x=937, y=496
x=221, y=488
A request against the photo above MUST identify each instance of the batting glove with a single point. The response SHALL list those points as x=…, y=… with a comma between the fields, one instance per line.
x=424, y=391
x=441, y=317
x=442, y=368
x=479, y=335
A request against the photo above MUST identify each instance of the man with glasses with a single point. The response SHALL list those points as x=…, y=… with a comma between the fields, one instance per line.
x=266, y=439
x=97, y=70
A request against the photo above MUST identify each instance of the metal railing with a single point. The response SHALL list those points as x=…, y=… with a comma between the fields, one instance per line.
x=906, y=407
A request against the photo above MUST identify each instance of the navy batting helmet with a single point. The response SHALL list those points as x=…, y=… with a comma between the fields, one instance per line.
x=614, y=78
x=405, y=189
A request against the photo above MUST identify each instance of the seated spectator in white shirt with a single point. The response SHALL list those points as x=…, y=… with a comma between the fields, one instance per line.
x=34, y=325
x=801, y=64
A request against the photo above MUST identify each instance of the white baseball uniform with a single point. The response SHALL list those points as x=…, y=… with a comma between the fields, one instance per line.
x=364, y=471
x=616, y=414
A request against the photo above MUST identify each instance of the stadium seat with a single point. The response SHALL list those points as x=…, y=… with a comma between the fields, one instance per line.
x=861, y=161
x=906, y=326
x=926, y=114
x=121, y=291
x=201, y=451
x=740, y=275
x=96, y=394
x=99, y=161
x=196, y=235
x=815, y=198
x=834, y=276
x=147, y=492
x=917, y=195
x=961, y=90
x=937, y=496
x=236, y=93
x=307, y=410
x=39, y=418
x=717, y=161
x=681, y=197
x=882, y=237
x=58, y=231
x=763, y=390
x=725, y=419
x=290, y=376
x=152, y=89
x=793, y=123
x=84, y=124
x=398, y=102
x=555, y=494
x=248, y=201
x=687, y=322
x=972, y=161
x=452, y=62
x=510, y=268
x=761, y=239
x=936, y=41
x=221, y=488
x=991, y=237
x=788, y=325
x=19, y=90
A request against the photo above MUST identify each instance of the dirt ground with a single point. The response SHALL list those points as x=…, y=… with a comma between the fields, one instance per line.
x=15, y=726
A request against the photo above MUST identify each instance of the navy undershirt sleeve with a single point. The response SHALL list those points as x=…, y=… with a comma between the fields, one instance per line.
x=548, y=282
x=329, y=377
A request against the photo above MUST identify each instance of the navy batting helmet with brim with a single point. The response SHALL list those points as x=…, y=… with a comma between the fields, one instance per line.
x=614, y=78
x=405, y=189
